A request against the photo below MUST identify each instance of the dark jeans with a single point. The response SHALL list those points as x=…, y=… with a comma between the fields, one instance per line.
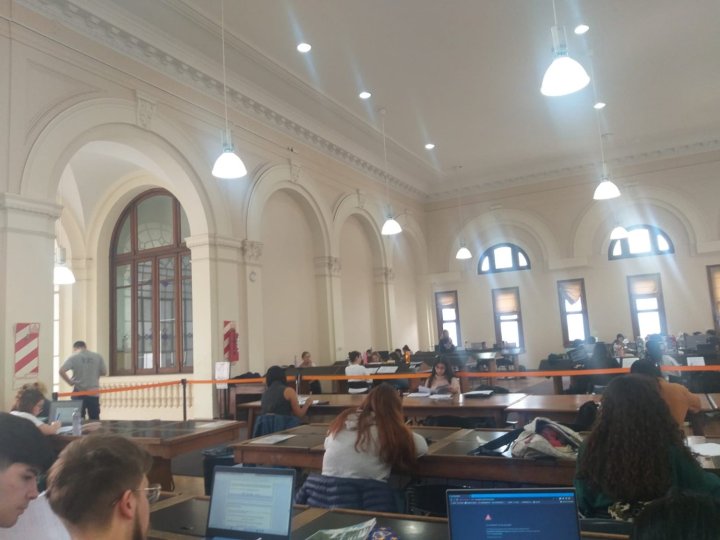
x=91, y=404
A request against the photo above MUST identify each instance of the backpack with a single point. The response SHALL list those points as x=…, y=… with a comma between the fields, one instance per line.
x=535, y=441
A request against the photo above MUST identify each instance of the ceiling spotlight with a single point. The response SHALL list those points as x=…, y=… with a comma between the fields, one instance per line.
x=364, y=95
x=304, y=47
x=599, y=105
x=581, y=29
x=429, y=146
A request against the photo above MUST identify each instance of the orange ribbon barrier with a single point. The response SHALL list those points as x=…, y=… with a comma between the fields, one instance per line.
x=115, y=390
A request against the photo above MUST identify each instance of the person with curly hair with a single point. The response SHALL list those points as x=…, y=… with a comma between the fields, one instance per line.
x=679, y=516
x=28, y=405
x=635, y=453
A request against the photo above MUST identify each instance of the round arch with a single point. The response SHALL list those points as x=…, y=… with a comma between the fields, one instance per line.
x=348, y=207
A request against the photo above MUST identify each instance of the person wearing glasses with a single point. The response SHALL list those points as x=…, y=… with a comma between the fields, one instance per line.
x=99, y=488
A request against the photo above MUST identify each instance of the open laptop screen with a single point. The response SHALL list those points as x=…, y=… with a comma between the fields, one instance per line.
x=63, y=411
x=505, y=514
x=251, y=503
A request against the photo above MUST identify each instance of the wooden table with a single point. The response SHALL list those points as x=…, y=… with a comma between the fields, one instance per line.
x=493, y=407
x=165, y=440
x=447, y=456
x=561, y=408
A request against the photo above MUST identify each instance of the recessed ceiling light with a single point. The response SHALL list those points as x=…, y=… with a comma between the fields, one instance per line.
x=580, y=29
x=429, y=146
x=304, y=47
x=364, y=95
x=599, y=105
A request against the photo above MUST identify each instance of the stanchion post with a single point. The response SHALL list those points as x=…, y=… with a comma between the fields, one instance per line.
x=54, y=396
x=184, y=390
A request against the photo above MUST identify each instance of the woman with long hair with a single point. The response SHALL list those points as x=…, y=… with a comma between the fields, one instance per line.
x=279, y=398
x=635, y=453
x=442, y=378
x=29, y=403
x=362, y=447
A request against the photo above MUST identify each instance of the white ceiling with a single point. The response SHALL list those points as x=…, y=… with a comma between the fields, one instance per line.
x=465, y=75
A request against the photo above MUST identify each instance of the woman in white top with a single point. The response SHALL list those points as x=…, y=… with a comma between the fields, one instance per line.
x=443, y=379
x=357, y=386
x=363, y=444
x=29, y=404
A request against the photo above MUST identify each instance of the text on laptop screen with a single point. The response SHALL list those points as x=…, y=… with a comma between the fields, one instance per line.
x=506, y=515
x=247, y=502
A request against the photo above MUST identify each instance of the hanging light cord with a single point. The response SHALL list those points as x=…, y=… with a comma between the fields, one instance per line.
x=554, y=12
x=387, y=174
x=222, y=38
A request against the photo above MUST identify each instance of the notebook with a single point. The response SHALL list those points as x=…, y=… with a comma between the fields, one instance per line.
x=251, y=503
x=63, y=411
x=506, y=514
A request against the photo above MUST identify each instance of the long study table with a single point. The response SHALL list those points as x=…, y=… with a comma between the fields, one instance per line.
x=447, y=456
x=165, y=440
x=418, y=407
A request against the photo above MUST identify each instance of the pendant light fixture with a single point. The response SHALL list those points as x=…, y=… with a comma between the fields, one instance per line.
x=62, y=275
x=228, y=165
x=391, y=226
x=463, y=253
x=565, y=75
x=606, y=189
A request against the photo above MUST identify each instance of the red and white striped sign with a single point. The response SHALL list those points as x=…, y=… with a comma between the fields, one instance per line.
x=230, y=345
x=27, y=355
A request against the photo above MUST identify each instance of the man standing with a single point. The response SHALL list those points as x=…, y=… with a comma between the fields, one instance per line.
x=24, y=453
x=87, y=367
x=99, y=488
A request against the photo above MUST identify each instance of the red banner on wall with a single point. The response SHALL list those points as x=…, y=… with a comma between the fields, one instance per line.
x=230, y=342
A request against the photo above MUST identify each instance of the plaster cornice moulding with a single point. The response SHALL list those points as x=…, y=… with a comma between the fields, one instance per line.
x=98, y=29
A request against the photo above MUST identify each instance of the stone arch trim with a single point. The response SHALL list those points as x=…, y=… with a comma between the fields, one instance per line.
x=603, y=217
x=353, y=204
x=282, y=178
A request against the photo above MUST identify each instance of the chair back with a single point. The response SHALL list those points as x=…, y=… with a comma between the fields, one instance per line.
x=271, y=423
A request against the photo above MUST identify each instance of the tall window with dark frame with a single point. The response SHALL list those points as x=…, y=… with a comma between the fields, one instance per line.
x=151, y=298
x=503, y=258
x=508, y=317
x=647, y=309
x=448, y=315
x=713, y=273
x=573, y=310
x=641, y=241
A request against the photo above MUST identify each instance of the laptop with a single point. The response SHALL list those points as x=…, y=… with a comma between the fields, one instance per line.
x=695, y=360
x=251, y=503
x=507, y=514
x=628, y=361
x=63, y=411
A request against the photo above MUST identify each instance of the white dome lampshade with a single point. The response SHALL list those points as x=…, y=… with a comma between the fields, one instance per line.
x=229, y=165
x=565, y=75
x=390, y=227
x=62, y=275
x=463, y=253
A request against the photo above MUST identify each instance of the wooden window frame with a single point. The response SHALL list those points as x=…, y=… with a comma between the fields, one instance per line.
x=496, y=315
x=655, y=250
x=633, y=308
x=714, y=296
x=489, y=253
x=564, y=313
x=439, y=317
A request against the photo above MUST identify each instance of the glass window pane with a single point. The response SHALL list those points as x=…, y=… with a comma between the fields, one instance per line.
x=639, y=241
x=123, y=239
x=649, y=323
x=155, y=222
x=144, y=304
x=452, y=329
x=166, y=297
x=184, y=226
x=522, y=261
x=646, y=304
x=508, y=317
x=573, y=307
x=617, y=248
x=449, y=314
x=186, y=267
x=485, y=264
x=123, y=318
x=503, y=257
x=575, y=326
x=662, y=243
x=187, y=322
x=509, y=331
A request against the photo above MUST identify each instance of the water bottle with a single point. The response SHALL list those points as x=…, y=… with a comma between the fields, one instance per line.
x=298, y=381
x=76, y=423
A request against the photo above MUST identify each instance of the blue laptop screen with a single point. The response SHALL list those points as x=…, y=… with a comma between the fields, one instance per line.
x=505, y=515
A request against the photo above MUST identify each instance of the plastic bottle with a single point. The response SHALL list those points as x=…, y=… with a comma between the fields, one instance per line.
x=76, y=423
x=298, y=381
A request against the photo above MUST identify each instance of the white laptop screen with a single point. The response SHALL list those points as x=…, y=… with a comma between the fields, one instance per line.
x=249, y=502
x=539, y=514
x=695, y=360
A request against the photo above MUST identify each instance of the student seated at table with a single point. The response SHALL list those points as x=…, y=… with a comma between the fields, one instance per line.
x=362, y=446
x=678, y=398
x=43, y=390
x=442, y=379
x=29, y=404
x=635, y=453
x=679, y=516
x=357, y=386
x=279, y=406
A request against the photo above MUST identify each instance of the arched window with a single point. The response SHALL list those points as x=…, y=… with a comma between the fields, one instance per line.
x=503, y=258
x=151, y=288
x=641, y=241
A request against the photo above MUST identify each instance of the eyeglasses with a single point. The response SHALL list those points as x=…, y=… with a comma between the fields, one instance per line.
x=152, y=492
